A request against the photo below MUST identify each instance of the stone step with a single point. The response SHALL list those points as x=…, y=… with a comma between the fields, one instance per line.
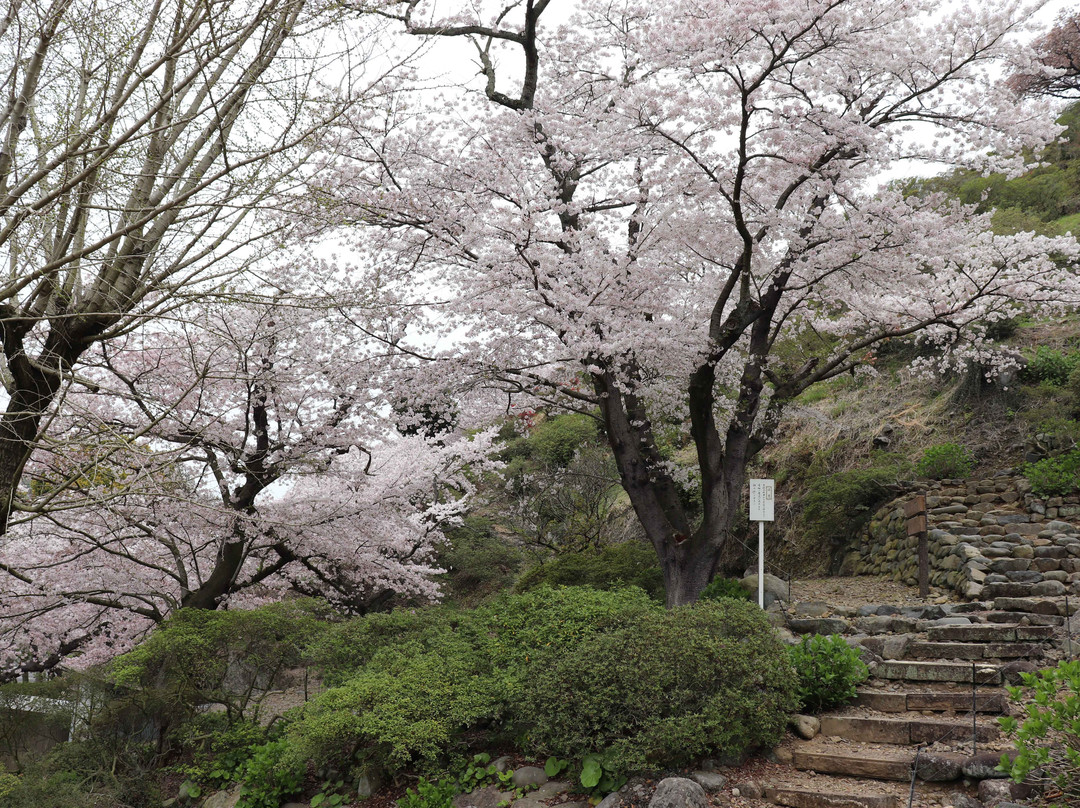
x=965, y=650
x=994, y=703
x=1053, y=607
x=886, y=701
x=878, y=764
x=920, y=671
x=800, y=798
x=903, y=732
x=1032, y=619
x=1000, y=633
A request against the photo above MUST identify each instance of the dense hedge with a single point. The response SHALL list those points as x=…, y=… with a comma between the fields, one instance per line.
x=569, y=671
x=672, y=686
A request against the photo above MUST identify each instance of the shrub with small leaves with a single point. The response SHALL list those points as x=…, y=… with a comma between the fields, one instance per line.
x=8, y=783
x=1055, y=476
x=710, y=678
x=1051, y=365
x=1048, y=739
x=269, y=776
x=828, y=670
x=725, y=588
x=945, y=460
x=428, y=794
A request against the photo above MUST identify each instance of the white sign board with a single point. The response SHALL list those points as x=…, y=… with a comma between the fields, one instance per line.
x=761, y=501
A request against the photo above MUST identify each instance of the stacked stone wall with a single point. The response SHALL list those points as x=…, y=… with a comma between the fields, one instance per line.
x=987, y=538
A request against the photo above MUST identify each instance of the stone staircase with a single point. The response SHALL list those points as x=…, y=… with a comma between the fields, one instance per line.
x=929, y=709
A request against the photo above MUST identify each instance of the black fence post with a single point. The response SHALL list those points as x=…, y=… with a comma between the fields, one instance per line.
x=974, y=715
x=914, y=771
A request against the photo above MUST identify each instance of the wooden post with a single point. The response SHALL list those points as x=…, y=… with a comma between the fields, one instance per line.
x=915, y=511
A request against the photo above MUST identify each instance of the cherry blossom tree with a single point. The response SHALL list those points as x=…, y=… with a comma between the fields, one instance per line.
x=1058, y=59
x=138, y=143
x=221, y=461
x=671, y=214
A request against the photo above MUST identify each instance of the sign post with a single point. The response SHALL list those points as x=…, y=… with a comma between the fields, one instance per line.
x=915, y=511
x=761, y=511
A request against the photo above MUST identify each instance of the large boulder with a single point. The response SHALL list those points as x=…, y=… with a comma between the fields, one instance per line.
x=775, y=588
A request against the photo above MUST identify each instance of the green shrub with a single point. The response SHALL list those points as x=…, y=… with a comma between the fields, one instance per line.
x=411, y=683
x=1051, y=366
x=556, y=439
x=725, y=588
x=837, y=505
x=629, y=563
x=8, y=783
x=344, y=649
x=827, y=670
x=428, y=794
x=478, y=562
x=1048, y=738
x=944, y=461
x=37, y=788
x=407, y=705
x=1055, y=476
x=671, y=686
x=217, y=749
x=269, y=776
x=200, y=657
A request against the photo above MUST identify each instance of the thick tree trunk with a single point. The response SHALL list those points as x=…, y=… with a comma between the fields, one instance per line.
x=32, y=386
x=689, y=556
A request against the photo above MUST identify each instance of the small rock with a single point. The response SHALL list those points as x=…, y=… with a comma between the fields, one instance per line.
x=782, y=755
x=959, y=799
x=751, y=790
x=367, y=784
x=995, y=792
x=612, y=800
x=806, y=726
x=550, y=789
x=488, y=797
x=529, y=802
x=502, y=764
x=529, y=776
x=710, y=781
x=983, y=766
x=678, y=792
x=223, y=799
x=937, y=769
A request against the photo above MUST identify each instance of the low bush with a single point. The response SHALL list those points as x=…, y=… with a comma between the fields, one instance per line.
x=618, y=565
x=478, y=562
x=827, y=670
x=269, y=776
x=229, y=658
x=409, y=685
x=725, y=588
x=837, y=505
x=1051, y=366
x=37, y=788
x=671, y=686
x=556, y=439
x=1048, y=738
x=407, y=705
x=1055, y=476
x=946, y=460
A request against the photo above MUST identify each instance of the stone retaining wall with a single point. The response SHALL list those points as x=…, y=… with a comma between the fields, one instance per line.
x=987, y=538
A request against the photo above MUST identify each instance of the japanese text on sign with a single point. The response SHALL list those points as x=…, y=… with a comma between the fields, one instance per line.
x=761, y=501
